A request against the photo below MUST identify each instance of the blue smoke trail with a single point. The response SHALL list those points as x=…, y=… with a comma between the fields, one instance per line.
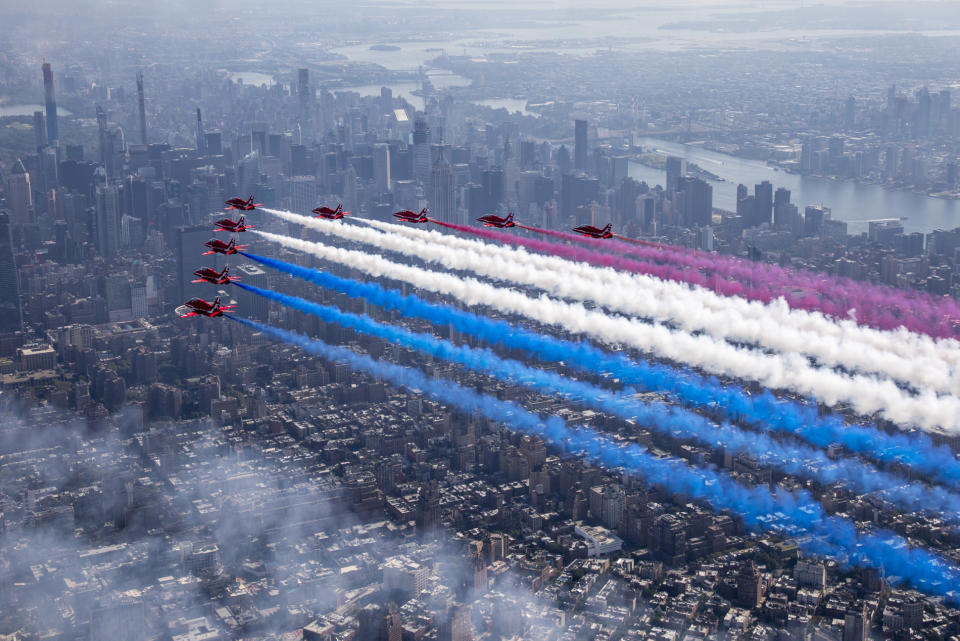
x=793, y=458
x=780, y=511
x=763, y=410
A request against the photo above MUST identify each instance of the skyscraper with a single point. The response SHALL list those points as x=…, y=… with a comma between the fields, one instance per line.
x=141, y=108
x=924, y=106
x=781, y=198
x=394, y=624
x=248, y=173
x=49, y=170
x=749, y=590
x=51, y=104
x=304, y=193
x=305, y=98
x=856, y=624
x=381, y=167
x=813, y=218
x=676, y=169
x=563, y=160
x=428, y=510
x=213, y=143
x=442, y=200
x=253, y=305
x=698, y=201
x=421, y=150
x=19, y=195
x=108, y=220
x=479, y=573
x=11, y=314
x=763, y=203
x=303, y=87
x=580, y=145
x=39, y=129
x=201, y=138
x=112, y=144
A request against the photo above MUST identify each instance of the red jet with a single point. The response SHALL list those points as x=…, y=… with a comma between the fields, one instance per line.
x=491, y=220
x=217, y=246
x=232, y=226
x=592, y=232
x=408, y=216
x=209, y=275
x=242, y=205
x=200, y=307
x=331, y=214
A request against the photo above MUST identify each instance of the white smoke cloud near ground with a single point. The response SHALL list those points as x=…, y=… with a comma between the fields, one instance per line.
x=865, y=394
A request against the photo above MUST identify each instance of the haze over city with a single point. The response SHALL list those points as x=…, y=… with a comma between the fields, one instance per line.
x=480, y=321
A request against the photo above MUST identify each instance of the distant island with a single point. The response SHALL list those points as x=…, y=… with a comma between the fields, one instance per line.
x=384, y=48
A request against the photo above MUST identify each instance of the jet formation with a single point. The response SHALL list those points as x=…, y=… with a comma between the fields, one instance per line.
x=200, y=307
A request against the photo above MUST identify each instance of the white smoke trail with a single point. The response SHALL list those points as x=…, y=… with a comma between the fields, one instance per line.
x=923, y=363
x=864, y=394
x=690, y=309
x=901, y=341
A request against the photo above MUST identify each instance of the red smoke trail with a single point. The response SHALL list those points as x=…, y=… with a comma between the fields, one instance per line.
x=637, y=241
x=876, y=306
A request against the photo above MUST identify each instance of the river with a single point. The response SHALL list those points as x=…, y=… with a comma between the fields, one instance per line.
x=27, y=110
x=854, y=203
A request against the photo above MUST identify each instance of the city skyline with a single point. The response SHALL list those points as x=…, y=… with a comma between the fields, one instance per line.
x=463, y=322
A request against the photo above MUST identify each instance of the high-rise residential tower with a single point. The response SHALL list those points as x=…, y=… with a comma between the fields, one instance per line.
x=201, y=138
x=141, y=108
x=51, y=104
x=11, y=313
x=39, y=129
